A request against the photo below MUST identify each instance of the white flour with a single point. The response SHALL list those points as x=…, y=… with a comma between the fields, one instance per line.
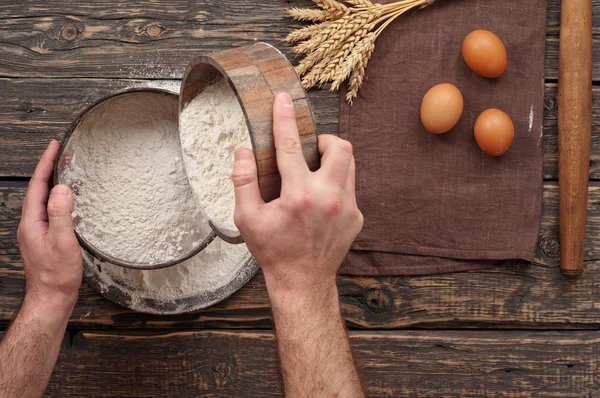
x=132, y=198
x=211, y=269
x=133, y=201
x=212, y=126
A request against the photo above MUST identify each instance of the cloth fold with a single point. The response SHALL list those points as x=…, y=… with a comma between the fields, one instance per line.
x=437, y=203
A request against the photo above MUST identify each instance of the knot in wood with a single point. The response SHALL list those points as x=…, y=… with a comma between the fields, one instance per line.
x=550, y=102
x=27, y=108
x=154, y=29
x=69, y=32
x=377, y=301
x=550, y=247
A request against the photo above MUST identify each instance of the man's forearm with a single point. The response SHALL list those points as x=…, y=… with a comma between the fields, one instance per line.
x=314, y=351
x=31, y=345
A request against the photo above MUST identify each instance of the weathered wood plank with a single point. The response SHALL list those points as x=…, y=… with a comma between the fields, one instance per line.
x=156, y=39
x=209, y=11
x=523, y=296
x=392, y=364
x=33, y=111
x=36, y=110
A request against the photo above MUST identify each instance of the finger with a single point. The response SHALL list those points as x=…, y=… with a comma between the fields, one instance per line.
x=325, y=141
x=336, y=158
x=60, y=207
x=351, y=180
x=34, y=204
x=245, y=182
x=290, y=159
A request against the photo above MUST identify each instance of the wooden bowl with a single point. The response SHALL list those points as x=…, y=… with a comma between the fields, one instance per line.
x=256, y=73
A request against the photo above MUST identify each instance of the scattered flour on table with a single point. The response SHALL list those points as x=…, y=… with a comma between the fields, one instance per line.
x=172, y=86
x=212, y=268
x=212, y=126
x=132, y=197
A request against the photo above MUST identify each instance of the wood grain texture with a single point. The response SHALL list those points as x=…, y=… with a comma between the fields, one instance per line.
x=34, y=111
x=392, y=364
x=63, y=55
x=574, y=129
x=529, y=296
x=156, y=39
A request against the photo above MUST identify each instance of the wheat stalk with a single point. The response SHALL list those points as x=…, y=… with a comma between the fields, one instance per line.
x=305, y=33
x=340, y=43
x=333, y=68
x=333, y=5
x=358, y=58
x=360, y=3
x=357, y=75
x=306, y=14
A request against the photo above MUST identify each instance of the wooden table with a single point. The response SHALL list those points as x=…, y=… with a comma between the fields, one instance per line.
x=518, y=331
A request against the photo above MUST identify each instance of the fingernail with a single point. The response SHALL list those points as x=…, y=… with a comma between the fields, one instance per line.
x=60, y=190
x=242, y=154
x=284, y=99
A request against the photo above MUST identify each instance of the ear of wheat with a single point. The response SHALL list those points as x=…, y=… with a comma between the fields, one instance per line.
x=338, y=46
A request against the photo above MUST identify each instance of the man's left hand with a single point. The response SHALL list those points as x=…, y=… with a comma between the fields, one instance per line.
x=49, y=249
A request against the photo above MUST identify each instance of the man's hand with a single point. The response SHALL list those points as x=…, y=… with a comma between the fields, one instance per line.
x=49, y=249
x=53, y=269
x=300, y=240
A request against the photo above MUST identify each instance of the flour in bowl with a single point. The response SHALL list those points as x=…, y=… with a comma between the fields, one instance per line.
x=211, y=127
x=132, y=198
x=210, y=276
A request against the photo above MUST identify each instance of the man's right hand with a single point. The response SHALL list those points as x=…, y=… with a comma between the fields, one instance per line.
x=301, y=238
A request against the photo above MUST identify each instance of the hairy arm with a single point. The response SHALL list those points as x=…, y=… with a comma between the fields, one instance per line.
x=315, y=355
x=300, y=241
x=53, y=267
x=30, y=348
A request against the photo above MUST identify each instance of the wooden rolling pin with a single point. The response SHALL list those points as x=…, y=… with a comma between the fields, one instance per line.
x=574, y=129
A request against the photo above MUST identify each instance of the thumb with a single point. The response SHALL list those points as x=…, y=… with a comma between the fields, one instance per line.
x=60, y=207
x=245, y=182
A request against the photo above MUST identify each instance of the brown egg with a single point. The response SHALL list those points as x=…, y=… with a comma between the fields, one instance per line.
x=441, y=108
x=484, y=52
x=494, y=132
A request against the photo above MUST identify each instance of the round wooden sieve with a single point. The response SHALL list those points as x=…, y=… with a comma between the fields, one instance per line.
x=256, y=73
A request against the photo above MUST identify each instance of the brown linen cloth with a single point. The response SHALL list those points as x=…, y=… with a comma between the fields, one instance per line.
x=437, y=203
